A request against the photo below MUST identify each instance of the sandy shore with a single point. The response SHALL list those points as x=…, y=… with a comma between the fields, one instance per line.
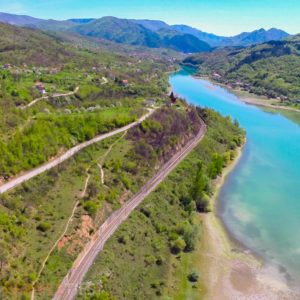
x=261, y=102
x=228, y=270
x=252, y=99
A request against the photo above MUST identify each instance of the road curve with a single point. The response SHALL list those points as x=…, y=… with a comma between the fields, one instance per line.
x=49, y=165
x=71, y=283
x=47, y=97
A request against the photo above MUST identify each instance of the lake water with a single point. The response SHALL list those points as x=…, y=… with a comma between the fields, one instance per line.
x=260, y=201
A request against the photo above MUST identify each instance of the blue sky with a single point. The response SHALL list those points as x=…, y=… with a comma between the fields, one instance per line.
x=225, y=17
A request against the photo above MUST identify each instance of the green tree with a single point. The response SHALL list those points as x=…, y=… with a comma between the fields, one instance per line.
x=178, y=245
x=200, y=186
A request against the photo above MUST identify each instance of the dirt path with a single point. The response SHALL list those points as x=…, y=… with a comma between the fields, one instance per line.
x=72, y=281
x=51, y=164
x=101, y=174
x=61, y=236
x=47, y=97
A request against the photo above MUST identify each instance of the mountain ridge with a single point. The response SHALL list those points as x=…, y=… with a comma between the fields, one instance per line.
x=150, y=31
x=129, y=32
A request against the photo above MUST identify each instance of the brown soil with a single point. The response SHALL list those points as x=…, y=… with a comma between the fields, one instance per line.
x=79, y=238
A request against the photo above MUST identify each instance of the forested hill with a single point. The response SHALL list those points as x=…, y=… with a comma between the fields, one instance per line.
x=271, y=69
x=129, y=32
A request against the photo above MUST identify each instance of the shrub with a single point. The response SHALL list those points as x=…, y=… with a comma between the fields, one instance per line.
x=91, y=207
x=43, y=226
x=178, y=245
x=193, y=277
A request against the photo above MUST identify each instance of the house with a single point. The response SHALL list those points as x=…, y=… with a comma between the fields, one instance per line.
x=6, y=66
x=40, y=87
x=150, y=102
x=54, y=71
x=125, y=82
x=238, y=82
x=217, y=75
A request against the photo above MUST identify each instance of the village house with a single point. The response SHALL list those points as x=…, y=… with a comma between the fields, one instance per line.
x=6, y=66
x=54, y=71
x=150, y=102
x=125, y=82
x=40, y=87
x=217, y=75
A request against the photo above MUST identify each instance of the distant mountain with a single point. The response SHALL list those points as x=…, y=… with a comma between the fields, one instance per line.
x=153, y=25
x=120, y=31
x=244, y=39
x=27, y=21
x=149, y=33
x=81, y=21
x=53, y=25
x=212, y=39
x=182, y=42
x=18, y=20
x=256, y=37
x=132, y=33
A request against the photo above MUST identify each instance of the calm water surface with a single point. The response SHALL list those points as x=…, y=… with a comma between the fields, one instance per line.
x=260, y=201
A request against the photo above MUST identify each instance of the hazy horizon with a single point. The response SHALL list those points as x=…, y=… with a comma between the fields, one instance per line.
x=224, y=18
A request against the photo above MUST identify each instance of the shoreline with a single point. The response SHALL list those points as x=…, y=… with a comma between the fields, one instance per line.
x=228, y=269
x=251, y=99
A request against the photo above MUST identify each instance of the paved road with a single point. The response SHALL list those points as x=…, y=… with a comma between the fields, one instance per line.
x=70, y=284
x=47, y=97
x=20, y=179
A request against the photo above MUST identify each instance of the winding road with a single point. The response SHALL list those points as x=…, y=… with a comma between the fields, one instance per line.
x=51, y=164
x=72, y=281
x=50, y=96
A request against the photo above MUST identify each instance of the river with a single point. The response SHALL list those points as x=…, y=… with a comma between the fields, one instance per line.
x=260, y=200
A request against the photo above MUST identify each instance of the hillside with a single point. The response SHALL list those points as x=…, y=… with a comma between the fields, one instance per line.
x=153, y=253
x=34, y=64
x=20, y=45
x=270, y=69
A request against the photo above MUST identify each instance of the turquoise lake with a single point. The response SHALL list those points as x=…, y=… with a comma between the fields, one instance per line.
x=260, y=200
